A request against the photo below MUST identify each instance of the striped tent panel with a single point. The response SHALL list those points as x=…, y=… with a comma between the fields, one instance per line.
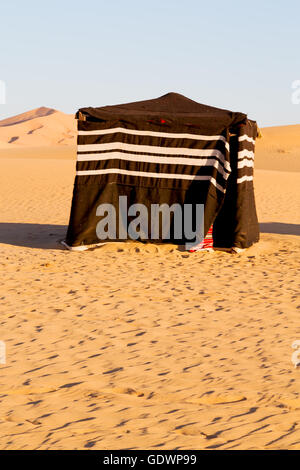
x=135, y=156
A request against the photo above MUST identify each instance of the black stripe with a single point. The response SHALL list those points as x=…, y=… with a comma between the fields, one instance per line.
x=180, y=126
x=101, y=181
x=152, y=168
x=245, y=145
x=245, y=171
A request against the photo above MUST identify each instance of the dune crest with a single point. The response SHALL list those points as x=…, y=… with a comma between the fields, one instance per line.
x=27, y=116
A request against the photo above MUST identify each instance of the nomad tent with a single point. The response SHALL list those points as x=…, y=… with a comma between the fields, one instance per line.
x=166, y=151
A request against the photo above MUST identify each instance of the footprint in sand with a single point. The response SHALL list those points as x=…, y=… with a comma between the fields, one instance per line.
x=124, y=391
x=217, y=399
x=294, y=404
x=190, y=430
x=296, y=354
x=17, y=417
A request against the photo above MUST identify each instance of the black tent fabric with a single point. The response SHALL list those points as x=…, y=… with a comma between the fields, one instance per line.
x=169, y=150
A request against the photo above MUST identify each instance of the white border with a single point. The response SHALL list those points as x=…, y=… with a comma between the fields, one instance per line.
x=81, y=247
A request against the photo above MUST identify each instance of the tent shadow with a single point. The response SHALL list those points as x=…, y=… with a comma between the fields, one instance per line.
x=280, y=228
x=44, y=236
x=48, y=236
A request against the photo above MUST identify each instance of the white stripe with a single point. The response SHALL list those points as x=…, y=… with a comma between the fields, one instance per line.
x=155, y=134
x=245, y=153
x=152, y=159
x=245, y=162
x=246, y=137
x=150, y=149
x=244, y=178
x=81, y=247
x=150, y=175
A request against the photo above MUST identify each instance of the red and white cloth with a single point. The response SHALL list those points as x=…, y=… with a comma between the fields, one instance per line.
x=206, y=244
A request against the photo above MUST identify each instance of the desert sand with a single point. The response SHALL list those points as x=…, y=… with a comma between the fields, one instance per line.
x=136, y=346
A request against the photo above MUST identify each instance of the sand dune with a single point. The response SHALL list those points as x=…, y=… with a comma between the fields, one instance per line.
x=279, y=148
x=6, y=146
x=281, y=139
x=42, y=127
x=144, y=346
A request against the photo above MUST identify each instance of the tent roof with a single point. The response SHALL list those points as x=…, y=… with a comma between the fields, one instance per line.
x=173, y=109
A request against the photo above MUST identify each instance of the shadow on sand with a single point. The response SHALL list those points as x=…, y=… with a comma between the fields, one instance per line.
x=44, y=236
x=47, y=236
x=279, y=228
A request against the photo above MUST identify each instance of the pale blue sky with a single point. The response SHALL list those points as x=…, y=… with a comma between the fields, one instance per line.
x=236, y=55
